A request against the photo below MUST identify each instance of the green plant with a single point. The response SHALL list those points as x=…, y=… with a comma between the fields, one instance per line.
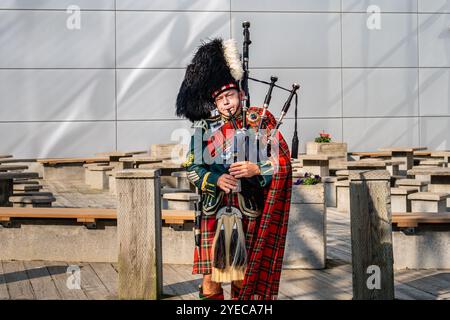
x=323, y=137
x=308, y=179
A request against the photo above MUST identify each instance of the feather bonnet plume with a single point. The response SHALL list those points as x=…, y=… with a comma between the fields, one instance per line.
x=215, y=65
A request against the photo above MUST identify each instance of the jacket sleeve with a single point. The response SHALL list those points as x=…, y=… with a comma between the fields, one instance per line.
x=198, y=172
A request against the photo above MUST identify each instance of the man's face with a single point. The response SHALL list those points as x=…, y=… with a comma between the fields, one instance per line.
x=228, y=100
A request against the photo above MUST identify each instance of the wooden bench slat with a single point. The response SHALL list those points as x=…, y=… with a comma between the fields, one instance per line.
x=58, y=213
x=413, y=219
x=87, y=214
x=72, y=160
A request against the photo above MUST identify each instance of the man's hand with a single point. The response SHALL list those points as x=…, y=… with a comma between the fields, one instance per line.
x=227, y=183
x=244, y=169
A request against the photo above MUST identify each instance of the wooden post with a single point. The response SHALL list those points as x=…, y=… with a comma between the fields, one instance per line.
x=371, y=235
x=139, y=234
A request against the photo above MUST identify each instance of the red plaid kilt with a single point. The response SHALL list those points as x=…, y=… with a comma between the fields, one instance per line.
x=203, y=254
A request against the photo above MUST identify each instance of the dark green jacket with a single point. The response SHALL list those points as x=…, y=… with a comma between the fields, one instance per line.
x=204, y=173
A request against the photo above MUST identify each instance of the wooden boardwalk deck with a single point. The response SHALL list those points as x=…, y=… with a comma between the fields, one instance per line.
x=47, y=280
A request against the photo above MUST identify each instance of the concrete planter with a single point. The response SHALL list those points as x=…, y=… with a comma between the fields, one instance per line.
x=336, y=149
x=306, y=236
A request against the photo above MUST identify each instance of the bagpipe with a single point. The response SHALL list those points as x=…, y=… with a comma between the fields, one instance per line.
x=229, y=254
x=246, y=101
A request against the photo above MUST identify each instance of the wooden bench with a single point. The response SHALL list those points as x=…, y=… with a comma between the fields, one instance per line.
x=431, y=162
x=136, y=161
x=12, y=167
x=56, y=161
x=27, y=187
x=413, y=219
x=87, y=216
x=34, y=201
x=13, y=160
x=28, y=182
x=422, y=153
x=67, y=168
x=362, y=155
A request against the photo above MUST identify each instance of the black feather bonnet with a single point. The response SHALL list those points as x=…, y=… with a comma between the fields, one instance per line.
x=215, y=68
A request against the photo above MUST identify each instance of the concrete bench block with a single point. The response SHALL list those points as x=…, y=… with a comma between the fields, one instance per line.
x=316, y=167
x=180, y=200
x=393, y=168
x=182, y=181
x=343, y=196
x=178, y=244
x=426, y=248
x=111, y=182
x=399, y=199
x=174, y=190
x=96, y=178
x=66, y=171
x=330, y=190
x=168, y=151
x=419, y=185
x=32, y=201
x=428, y=202
x=342, y=173
x=440, y=188
x=32, y=239
x=169, y=181
x=306, y=236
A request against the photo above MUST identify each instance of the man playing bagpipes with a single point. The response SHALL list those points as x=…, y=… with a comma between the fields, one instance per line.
x=245, y=198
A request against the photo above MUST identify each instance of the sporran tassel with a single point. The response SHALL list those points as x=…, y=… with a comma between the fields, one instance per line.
x=219, y=249
x=240, y=252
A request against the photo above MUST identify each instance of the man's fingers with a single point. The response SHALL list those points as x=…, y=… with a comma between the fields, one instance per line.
x=230, y=178
x=237, y=164
x=242, y=175
x=226, y=189
x=229, y=187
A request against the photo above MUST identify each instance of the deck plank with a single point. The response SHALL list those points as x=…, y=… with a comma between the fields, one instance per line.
x=59, y=276
x=19, y=286
x=92, y=285
x=43, y=287
x=186, y=288
x=4, y=294
x=108, y=276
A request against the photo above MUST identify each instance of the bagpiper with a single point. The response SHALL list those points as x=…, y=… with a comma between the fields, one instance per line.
x=244, y=206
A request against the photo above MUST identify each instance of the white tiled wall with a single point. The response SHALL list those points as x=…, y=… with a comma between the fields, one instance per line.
x=113, y=83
